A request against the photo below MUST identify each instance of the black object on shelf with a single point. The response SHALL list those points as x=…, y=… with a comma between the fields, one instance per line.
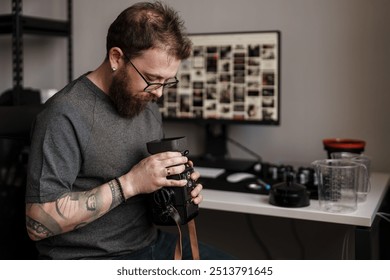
x=16, y=121
x=27, y=96
x=289, y=194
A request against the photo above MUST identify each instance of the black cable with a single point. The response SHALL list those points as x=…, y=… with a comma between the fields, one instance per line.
x=345, y=247
x=257, y=156
x=383, y=215
x=257, y=237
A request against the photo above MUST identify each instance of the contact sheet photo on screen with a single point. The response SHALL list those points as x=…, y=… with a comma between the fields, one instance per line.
x=229, y=76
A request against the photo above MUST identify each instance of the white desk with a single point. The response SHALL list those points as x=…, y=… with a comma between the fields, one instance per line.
x=364, y=216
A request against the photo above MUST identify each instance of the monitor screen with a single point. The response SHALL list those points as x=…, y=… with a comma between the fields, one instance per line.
x=229, y=78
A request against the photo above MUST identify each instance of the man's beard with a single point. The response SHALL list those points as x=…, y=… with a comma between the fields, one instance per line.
x=127, y=103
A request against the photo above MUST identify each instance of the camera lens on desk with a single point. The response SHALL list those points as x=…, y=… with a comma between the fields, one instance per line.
x=272, y=172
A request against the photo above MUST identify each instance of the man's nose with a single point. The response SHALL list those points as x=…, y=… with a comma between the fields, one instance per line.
x=158, y=92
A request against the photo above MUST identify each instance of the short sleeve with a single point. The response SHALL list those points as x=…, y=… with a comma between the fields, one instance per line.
x=55, y=156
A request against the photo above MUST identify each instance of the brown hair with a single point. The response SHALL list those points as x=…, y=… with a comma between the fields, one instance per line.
x=149, y=25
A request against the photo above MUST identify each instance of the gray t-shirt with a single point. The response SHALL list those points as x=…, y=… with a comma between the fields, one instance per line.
x=80, y=142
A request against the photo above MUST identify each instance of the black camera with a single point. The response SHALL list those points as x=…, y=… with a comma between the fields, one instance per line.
x=173, y=205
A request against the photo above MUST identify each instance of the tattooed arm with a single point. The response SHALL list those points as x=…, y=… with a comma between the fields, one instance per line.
x=71, y=211
x=76, y=209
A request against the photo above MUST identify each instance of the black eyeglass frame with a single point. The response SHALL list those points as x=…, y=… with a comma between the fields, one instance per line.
x=152, y=86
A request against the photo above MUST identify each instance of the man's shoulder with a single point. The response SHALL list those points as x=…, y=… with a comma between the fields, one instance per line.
x=76, y=97
x=74, y=104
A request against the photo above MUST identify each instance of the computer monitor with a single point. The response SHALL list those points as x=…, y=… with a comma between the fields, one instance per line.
x=230, y=78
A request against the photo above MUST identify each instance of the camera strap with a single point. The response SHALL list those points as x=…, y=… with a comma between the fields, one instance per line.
x=192, y=235
x=193, y=241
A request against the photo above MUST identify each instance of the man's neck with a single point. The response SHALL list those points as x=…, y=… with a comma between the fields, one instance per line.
x=101, y=77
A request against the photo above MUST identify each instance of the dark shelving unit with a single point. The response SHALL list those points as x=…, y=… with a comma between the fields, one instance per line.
x=18, y=24
x=16, y=117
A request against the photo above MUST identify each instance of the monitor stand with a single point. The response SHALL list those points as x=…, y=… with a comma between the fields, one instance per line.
x=216, y=153
x=215, y=141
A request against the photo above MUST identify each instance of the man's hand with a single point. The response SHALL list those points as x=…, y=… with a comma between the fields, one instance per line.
x=150, y=174
x=196, y=192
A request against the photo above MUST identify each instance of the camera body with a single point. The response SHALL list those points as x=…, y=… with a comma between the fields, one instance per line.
x=172, y=205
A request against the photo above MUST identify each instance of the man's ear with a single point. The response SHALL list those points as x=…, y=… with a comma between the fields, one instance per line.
x=115, y=57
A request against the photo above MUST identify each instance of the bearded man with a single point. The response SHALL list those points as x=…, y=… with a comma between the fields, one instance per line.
x=89, y=171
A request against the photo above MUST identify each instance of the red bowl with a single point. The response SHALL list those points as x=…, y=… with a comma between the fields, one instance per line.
x=332, y=145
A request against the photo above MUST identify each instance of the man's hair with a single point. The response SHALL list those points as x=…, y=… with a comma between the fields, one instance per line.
x=149, y=25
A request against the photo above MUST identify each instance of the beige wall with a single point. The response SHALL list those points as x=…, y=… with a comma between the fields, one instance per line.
x=334, y=71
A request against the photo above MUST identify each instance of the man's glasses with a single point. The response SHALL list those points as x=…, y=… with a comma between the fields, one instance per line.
x=153, y=86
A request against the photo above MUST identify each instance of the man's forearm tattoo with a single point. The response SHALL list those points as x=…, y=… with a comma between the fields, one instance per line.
x=68, y=205
x=37, y=229
x=117, y=197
